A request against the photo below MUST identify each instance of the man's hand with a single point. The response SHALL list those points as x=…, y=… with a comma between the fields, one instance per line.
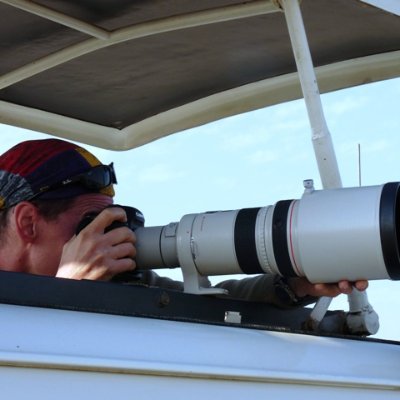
x=302, y=287
x=93, y=254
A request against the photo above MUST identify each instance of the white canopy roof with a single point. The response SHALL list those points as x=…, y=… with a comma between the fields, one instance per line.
x=120, y=74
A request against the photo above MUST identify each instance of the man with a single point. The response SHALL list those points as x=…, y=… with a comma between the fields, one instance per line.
x=48, y=186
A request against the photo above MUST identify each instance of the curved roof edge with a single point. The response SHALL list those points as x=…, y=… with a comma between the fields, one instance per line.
x=235, y=101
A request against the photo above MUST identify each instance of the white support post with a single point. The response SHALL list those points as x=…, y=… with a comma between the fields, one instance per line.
x=321, y=139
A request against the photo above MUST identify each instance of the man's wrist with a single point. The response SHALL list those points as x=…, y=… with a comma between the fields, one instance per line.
x=289, y=294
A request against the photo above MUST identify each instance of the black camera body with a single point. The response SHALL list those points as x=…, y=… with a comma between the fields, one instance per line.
x=135, y=219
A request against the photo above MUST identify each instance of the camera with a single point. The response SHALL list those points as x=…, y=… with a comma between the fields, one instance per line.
x=135, y=219
x=326, y=236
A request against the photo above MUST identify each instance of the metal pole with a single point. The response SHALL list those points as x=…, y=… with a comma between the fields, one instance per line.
x=359, y=164
x=321, y=137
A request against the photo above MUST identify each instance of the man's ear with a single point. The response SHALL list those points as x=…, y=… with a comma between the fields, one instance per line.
x=26, y=221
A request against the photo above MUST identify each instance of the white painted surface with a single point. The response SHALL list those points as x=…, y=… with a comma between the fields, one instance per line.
x=46, y=353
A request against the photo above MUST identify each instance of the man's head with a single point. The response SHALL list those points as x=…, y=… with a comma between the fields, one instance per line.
x=46, y=186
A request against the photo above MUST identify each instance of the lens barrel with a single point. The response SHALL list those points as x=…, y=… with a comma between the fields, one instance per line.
x=326, y=236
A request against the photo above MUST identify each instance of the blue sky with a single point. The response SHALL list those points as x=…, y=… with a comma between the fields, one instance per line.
x=259, y=158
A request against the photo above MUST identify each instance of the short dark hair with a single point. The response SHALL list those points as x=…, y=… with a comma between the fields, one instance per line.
x=51, y=209
x=48, y=209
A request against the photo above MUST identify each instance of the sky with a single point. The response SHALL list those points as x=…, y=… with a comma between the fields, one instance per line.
x=258, y=158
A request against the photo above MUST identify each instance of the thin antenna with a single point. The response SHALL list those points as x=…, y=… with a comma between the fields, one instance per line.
x=359, y=164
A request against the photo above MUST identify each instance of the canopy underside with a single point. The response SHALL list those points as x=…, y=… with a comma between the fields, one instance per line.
x=123, y=73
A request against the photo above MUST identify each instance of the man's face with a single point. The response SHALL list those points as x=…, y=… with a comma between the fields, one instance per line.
x=55, y=233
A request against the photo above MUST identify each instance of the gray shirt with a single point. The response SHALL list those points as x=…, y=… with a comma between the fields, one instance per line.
x=270, y=289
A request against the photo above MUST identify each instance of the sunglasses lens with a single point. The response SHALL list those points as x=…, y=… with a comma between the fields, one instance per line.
x=99, y=177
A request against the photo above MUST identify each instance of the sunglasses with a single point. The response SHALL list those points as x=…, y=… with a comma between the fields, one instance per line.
x=97, y=178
